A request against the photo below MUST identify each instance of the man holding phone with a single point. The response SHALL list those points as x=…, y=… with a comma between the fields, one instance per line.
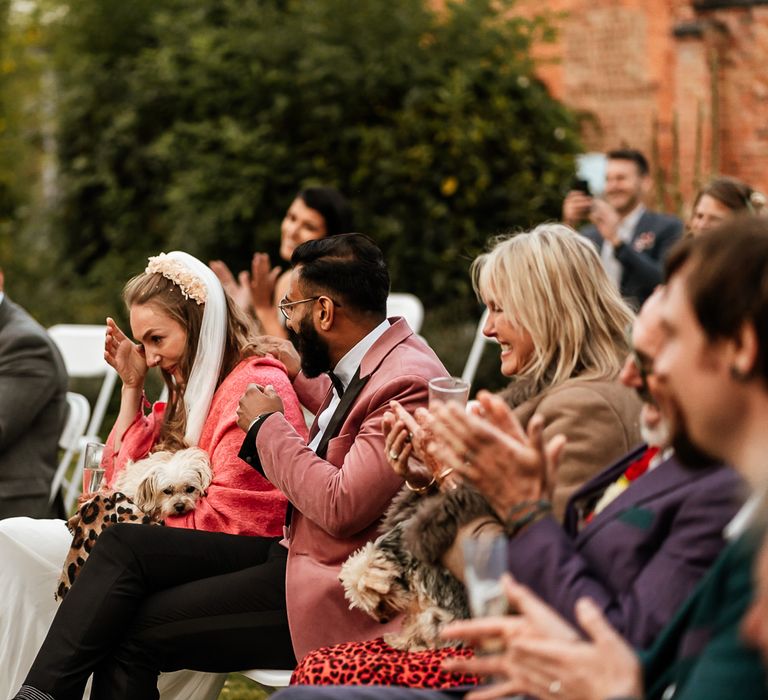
x=631, y=240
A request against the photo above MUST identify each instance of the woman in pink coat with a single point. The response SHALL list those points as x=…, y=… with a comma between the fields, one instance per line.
x=207, y=360
x=187, y=327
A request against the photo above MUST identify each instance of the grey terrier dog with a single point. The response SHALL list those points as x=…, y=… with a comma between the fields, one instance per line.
x=401, y=571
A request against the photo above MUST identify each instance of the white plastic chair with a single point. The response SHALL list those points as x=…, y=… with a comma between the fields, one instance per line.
x=70, y=442
x=82, y=347
x=408, y=306
x=269, y=678
x=476, y=351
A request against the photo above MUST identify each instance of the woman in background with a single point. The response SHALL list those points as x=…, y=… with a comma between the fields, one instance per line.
x=316, y=212
x=720, y=199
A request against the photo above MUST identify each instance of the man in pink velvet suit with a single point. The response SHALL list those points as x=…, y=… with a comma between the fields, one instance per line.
x=340, y=483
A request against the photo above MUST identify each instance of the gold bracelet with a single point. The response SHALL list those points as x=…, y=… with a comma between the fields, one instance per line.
x=446, y=472
x=420, y=489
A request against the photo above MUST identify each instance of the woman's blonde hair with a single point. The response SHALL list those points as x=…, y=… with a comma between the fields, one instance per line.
x=166, y=296
x=551, y=283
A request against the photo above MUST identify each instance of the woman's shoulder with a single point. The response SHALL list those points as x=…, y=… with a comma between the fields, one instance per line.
x=590, y=393
x=594, y=388
x=254, y=369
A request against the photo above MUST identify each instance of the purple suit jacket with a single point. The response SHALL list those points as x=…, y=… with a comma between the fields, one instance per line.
x=339, y=498
x=640, y=557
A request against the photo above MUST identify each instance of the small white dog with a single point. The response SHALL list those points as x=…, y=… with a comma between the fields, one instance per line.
x=163, y=484
x=166, y=483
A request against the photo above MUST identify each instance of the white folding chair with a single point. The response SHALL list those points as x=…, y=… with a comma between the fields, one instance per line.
x=82, y=347
x=476, y=351
x=269, y=678
x=71, y=435
x=408, y=306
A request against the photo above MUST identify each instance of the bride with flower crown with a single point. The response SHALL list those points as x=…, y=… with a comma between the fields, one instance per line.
x=185, y=325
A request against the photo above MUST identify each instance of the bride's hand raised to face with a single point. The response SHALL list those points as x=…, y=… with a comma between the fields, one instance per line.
x=125, y=356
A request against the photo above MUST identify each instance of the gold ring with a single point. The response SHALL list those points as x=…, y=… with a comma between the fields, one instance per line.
x=444, y=473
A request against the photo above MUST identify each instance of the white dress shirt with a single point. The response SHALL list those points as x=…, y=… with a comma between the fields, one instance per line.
x=625, y=231
x=345, y=369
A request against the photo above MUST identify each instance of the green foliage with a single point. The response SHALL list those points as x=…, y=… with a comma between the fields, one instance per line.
x=189, y=124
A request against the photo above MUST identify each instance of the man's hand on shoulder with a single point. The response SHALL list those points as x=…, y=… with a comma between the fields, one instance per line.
x=255, y=401
x=283, y=351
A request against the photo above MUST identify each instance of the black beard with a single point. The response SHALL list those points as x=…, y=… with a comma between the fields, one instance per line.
x=314, y=352
x=687, y=453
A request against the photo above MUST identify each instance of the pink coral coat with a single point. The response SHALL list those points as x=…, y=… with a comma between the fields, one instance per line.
x=239, y=501
x=339, y=500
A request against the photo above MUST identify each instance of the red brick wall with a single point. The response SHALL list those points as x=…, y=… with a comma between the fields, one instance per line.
x=641, y=69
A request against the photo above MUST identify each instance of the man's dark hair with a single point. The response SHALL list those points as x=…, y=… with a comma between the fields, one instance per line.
x=331, y=205
x=633, y=155
x=349, y=267
x=727, y=280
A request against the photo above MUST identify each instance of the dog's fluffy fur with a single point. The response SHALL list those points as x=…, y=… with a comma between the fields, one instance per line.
x=401, y=571
x=146, y=492
x=166, y=483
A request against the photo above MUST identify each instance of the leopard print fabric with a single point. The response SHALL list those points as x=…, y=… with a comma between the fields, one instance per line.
x=374, y=662
x=103, y=510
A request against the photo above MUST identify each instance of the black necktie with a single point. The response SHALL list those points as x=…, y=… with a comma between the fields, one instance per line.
x=337, y=383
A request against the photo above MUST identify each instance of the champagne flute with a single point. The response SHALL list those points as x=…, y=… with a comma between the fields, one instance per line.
x=93, y=471
x=485, y=561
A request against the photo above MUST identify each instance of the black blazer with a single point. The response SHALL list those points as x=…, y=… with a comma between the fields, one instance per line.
x=642, y=259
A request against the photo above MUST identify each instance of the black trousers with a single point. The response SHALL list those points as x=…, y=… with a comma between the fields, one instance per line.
x=153, y=599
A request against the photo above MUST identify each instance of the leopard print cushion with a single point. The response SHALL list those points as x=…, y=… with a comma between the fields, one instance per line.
x=374, y=662
x=103, y=510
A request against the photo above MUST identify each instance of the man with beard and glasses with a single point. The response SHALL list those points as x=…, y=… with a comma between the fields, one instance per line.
x=339, y=484
x=161, y=599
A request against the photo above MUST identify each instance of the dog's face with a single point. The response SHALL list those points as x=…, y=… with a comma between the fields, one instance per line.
x=173, y=482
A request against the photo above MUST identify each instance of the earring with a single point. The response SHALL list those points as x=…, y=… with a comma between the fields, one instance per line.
x=738, y=374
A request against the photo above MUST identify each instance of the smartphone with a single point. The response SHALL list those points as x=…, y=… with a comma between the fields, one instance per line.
x=581, y=186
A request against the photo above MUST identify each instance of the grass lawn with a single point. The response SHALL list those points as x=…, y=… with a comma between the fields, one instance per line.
x=238, y=687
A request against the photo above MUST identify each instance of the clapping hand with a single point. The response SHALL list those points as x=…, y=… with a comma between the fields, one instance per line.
x=543, y=656
x=262, y=283
x=606, y=220
x=238, y=289
x=125, y=356
x=533, y=619
x=255, y=401
x=491, y=450
x=407, y=438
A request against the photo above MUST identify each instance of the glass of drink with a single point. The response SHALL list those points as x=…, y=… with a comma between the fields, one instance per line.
x=485, y=561
x=448, y=389
x=93, y=471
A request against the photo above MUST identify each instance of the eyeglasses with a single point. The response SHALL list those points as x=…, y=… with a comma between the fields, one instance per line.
x=286, y=307
x=644, y=366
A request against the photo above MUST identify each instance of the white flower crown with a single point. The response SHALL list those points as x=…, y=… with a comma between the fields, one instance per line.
x=191, y=286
